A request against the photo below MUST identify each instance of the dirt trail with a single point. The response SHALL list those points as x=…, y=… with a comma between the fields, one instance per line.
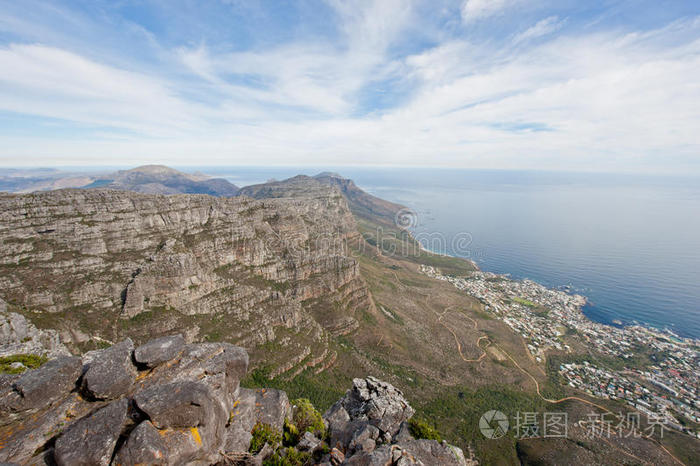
x=537, y=384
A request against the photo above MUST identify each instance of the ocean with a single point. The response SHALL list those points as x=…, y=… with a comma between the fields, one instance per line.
x=629, y=243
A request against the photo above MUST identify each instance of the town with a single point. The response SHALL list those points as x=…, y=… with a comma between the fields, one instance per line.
x=666, y=388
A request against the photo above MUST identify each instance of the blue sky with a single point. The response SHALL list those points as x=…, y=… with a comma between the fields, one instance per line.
x=559, y=85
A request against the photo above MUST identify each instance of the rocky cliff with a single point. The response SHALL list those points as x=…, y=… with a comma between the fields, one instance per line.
x=168, y=402
x=97, y=265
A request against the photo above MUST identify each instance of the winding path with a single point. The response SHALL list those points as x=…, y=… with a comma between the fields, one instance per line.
x=537, y=385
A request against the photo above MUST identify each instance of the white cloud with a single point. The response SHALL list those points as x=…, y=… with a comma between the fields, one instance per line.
x=573, y=101
x=541, y=28
x=473, y=10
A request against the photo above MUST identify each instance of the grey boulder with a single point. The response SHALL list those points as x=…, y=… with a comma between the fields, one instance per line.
x=309, y=442
x=111, y=373
x=192, y=414
x=91, y=440
x=177, y=404
x=144, y=446
x=53, y=380
x=160, y=350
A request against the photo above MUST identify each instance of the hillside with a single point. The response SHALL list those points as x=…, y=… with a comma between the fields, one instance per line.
x=159, y=179
x=152, y=179
x=314, y=286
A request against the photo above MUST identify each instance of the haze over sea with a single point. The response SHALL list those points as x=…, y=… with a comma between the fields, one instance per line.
x=629, y=243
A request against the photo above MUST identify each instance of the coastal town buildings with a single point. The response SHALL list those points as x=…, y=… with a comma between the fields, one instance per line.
x=666, y=385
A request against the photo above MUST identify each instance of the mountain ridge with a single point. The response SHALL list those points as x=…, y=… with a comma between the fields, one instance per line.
x=300, y=275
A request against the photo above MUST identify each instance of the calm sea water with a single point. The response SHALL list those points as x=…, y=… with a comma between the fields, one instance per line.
x=630, y=244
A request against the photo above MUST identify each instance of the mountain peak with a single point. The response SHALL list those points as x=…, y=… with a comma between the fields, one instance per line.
x=154, y=170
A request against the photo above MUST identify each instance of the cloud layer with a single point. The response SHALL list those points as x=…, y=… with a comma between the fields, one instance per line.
x=372, y=82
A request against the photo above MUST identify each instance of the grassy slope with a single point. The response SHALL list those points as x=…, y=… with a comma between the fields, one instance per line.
x=407, y=341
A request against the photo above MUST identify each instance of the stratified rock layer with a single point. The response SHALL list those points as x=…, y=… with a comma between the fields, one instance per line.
x=99, y=265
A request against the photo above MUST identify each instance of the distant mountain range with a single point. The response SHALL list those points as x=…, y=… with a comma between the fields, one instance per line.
x=149, y=179
x=159, y=179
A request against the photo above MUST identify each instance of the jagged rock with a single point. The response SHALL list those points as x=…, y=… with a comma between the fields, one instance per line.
x=160, y=350
x=91, y=440
x=369, y=424
x=364, y=439
x=144, y=446
x=309, y=442
x=433, y=452
x=111, y=374
x=19, y=336
x=371, y=401
x=48, y=383
x=337, y=457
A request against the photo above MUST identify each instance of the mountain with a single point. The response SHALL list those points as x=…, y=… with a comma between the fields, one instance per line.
x=363, y=204
x=300, y=186
x=159, y=179
x=153, y=179
x=311, y=276
x=103, y=264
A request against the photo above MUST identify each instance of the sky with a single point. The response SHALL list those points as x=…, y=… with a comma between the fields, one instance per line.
x=508, y=84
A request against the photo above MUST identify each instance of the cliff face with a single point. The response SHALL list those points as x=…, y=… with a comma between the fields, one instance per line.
x=98, y=263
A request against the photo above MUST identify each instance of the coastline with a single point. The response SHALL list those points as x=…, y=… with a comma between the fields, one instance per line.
x=615, y=323
x=656, y=371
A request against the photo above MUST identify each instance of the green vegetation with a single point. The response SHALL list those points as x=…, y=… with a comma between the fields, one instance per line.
x=306, y=418
x=366, y=317
x=322, y=389
x=420, y=428
x=262, y=434
x=288, y=457
x=455, y=413
x=30, y=361
x=524, y=302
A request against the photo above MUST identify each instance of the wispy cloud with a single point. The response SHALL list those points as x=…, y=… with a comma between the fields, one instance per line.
x=536, y=95
x=474, y=10
x=541, y=28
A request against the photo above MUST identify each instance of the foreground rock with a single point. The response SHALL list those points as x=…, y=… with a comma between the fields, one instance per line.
x=159, y=350
x=46, y=384
x=174, y=413
x=176, y=403
x=91, y=440
x=368, y=427
x=111, y=374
